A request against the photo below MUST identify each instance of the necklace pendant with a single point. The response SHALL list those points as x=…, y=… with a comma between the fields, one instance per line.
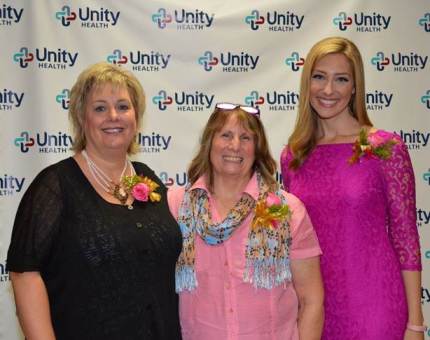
x=120, y=194
x=130, y=207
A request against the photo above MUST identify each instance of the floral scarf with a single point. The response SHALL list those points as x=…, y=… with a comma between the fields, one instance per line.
x=267, y=249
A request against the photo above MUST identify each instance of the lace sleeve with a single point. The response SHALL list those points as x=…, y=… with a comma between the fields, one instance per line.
x=36, y=223
x=400, y=191
x=285, y=161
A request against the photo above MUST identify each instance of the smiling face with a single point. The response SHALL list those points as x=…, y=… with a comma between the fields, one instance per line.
x=110, y=119
x=331, y=86
x=233, y=150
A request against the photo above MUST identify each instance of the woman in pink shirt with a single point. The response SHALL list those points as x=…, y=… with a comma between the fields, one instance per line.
x=249, y=266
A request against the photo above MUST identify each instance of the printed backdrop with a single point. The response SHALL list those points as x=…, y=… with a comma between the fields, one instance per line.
x=188, y=57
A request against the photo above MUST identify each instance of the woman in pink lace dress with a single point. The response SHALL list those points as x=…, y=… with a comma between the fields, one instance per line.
x=357, y=183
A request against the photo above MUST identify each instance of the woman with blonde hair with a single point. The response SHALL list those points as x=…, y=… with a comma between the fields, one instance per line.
x=94, y=247
x=358, y=185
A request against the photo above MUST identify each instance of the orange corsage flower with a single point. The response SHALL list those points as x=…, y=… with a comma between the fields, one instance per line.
x=269, y=212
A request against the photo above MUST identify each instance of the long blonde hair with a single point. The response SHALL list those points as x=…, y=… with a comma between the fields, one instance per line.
x=304, y=137
x=264, y=162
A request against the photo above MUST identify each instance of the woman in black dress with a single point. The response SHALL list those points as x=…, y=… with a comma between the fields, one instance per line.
x=94, y=246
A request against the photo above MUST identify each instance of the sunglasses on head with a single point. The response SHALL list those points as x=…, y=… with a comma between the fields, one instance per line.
x=248, y=109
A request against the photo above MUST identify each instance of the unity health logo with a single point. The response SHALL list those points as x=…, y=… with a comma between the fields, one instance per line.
x=254, y=99
x=10, y=99
x=10, y=14
x=278, y=178
x=425, y=99
x=425, y=22
x=363, y=22
x=275, y=20
x=426, y=177
x=162, y=99
x=274, y=100
x=208, y=60
x=44, y=142
x=255, y=20
x=184, y=101
x=231, y=62
x=425, y=293
x=63, y=99
x=45, y=58
x=402, y=62
x=415, y=139
x=423, y=217
x=88, y=17
x=179, y=179
x=295, y=61
x=150, y=62
x=153, y=143
x=10, y=185
x=184, y=20
x=117, y=57
x=378, y=100
x=4, y=274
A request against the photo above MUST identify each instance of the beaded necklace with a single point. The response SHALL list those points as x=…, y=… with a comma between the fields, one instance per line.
x=117, y=190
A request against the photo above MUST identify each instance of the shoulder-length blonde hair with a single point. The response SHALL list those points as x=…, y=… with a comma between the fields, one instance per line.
x=97, y=76
x=304, y=137
x=264, y=162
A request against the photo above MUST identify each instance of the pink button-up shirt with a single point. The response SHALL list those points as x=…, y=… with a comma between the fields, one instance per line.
x=223, y=307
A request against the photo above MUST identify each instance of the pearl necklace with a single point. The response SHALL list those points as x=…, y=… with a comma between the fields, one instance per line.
x=116, y=190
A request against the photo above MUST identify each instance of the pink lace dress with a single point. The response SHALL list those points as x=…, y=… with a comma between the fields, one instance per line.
x=364, y=215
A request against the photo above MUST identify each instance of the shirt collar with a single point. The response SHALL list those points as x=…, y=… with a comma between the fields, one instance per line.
x=251, y=188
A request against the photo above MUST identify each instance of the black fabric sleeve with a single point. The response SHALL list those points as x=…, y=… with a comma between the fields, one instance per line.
x=37, y=223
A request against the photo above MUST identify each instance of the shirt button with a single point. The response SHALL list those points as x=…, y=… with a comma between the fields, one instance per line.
x=231, y=310
x=227, y=285
x=226, y=263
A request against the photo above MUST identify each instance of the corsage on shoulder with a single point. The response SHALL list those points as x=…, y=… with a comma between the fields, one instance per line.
x=141, y=188
x=269, y=212
x=378, y=144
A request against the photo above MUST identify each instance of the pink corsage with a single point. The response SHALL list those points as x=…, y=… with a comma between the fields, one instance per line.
x=140, y=192
x=141, y=188
x=377, y=145
x=269, y=212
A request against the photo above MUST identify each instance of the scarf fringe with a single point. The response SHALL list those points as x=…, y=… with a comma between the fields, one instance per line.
x=267, y=273
x=185, y=279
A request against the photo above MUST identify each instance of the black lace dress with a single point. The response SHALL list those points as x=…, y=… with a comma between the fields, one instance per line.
x=108, y=270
